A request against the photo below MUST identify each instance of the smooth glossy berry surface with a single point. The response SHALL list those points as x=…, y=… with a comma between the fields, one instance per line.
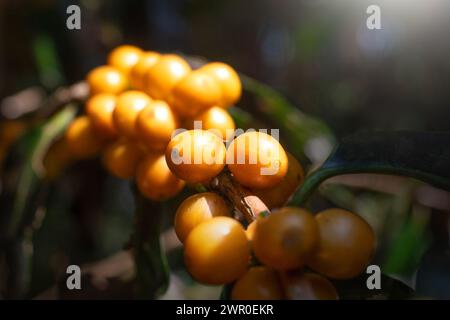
x=228, y=80
x=285, y=239
x=100, y=108
x=121, y=158
x=155, y=125
x=257, y=160
x=129, y=105
x=217, y=251
x=218, y=121
x=124, y=57
x=155, y=180
x=164, y=75
x=346, y=244
x=106, y=79
x=194, y=93
x=82, y=138
x=196, y=155
x=308, y=286
x=278, y=195
x=258, y=283
x=197, y=209
x=139, y=71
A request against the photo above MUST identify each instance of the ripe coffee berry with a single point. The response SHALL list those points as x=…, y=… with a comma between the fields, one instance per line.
x=82, y=138
x=155, y=125
x=164, y=75
x=308, y=286
x=218, y=121
x=217, y=251
x=100, y=108
x=345, y=247
x=155, y=180
x=278, y=195
x=257, y=160
x=197, y=209
x=228, y=80
x=121, y=158
x=138, y=73
x=124, y=57
x=195, y=93
x=106, y=79
x=196, y=155
x=285, y=239
x=258, y=283
x=128, y=106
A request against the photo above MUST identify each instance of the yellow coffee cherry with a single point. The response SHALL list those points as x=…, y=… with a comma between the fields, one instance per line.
x=278, y=195
x=100, y=108
x=121, y=158
x=218, y=121
x=164, y=75
x=195, y=93
x=155, y=180
x=258, y=283
x=155, y=125
x=196, y=155
x=257, y=160
x=129, y=105
x=228, y=79
x=217, y=251
x=56, y=159
x=82, y=138
x=197, y=209
x=124, y=58
x=138, y=73
x=106, y=79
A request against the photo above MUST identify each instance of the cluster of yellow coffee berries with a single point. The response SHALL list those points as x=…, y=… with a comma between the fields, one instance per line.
x=136, y=103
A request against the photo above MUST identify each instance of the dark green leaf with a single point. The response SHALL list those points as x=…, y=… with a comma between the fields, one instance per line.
x=421, y=155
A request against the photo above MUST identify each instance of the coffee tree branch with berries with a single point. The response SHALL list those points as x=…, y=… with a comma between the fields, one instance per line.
x=257, y=234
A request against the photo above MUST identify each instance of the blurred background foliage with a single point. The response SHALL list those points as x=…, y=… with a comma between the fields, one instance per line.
x=321, y=75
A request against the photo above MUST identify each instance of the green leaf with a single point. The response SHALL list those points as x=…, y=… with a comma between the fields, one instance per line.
x=421, y=155
x=151, y=262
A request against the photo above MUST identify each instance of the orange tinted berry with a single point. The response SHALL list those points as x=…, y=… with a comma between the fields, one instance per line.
x=257, y=160
x=128, y=106
x=218, y=121
x=121, y=158
x=217, y=251
x=100, y=109
x=250, y=231
x=56, y=159
x=155, y=125
x=308, y=286
x=258, y=283
x=228, y=80
x=106, y=79
x=346, y=244
x=286, y=238
x=124, y=57
x=278, y=195
x=154, y=179
x=196, y=155
x=197, y=209
x=163, y=76
x=195, y=93
x=138, y=73
x=83, y=139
